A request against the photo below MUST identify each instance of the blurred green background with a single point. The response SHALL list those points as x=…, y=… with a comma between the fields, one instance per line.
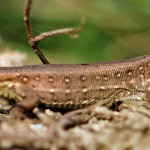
x=114, y=29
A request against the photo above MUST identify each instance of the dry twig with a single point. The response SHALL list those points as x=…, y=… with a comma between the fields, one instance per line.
x=33, y=41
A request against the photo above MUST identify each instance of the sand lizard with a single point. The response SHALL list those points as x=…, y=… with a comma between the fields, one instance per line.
x=74, y=86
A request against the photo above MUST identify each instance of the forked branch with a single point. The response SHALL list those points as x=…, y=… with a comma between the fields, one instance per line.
x=33, y=41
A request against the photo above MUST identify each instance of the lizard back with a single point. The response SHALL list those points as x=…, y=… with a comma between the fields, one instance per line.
x=80, y=85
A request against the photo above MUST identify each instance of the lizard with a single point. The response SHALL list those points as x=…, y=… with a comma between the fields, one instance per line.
x=73, y=86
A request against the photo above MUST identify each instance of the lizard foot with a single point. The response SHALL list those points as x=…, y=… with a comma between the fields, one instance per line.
x=25, y=96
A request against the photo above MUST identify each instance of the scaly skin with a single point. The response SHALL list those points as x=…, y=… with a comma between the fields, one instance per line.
x=78, y=85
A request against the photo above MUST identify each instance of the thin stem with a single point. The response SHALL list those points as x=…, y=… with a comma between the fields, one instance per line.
x=55, y=32
x=27, y=19
x=31, y=40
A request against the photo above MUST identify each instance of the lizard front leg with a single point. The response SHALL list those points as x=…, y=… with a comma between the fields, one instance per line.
x=25, y=96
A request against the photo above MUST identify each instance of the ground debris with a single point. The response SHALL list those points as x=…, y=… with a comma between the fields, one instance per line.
x=95, y=127
x=10, y=58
